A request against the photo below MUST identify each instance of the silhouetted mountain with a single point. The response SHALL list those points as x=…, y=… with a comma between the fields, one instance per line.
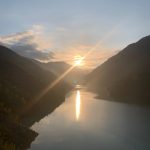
x=20, y=81
x=125, y=76
x=59, y=67
x=22, y=72
x=56, y=68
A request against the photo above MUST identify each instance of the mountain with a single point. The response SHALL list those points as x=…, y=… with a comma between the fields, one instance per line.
x=125, y=76
x=59, y=67
x=21, y=80
x=56, y=68
x=23, y=73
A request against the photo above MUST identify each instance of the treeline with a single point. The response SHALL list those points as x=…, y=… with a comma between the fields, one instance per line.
x=13, y=135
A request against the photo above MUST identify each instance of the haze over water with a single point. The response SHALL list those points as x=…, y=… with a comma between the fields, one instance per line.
x=84, y=122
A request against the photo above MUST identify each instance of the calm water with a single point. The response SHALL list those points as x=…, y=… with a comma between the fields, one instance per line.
x=85, y=123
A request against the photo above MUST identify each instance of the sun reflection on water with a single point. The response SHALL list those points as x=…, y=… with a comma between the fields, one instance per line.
x=78, y=103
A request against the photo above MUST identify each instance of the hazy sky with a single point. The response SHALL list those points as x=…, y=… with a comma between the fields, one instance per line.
x=62, y=29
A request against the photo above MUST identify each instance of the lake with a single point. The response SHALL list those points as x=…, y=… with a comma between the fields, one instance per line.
x=83, y=122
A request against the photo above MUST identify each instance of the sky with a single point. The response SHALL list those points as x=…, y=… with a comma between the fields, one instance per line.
x=62, y=30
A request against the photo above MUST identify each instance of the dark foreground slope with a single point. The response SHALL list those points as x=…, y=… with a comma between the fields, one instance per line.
x=125, y=76
x=21, y=80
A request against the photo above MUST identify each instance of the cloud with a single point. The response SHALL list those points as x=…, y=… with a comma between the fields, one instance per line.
x=32, y=43
x=95, y=58
x=72, y=41
x=65, y=44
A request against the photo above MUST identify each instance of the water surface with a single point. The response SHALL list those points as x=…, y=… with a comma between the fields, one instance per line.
x=83, y=122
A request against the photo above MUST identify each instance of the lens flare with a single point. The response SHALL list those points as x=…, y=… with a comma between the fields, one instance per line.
x=38, y=97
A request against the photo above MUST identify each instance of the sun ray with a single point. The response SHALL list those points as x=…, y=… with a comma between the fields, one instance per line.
x=35, y=99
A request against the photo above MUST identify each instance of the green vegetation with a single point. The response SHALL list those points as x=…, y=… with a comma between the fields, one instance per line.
x=20, y=80
x=13, y=135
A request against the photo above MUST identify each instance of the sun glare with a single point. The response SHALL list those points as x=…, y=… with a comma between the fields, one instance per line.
x=78, y=61
x=78, y=103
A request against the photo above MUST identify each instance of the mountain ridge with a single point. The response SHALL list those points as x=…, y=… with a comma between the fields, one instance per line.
x=129, y=68
x=20, y=81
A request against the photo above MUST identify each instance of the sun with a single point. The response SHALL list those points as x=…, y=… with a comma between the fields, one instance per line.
x=78, y=61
